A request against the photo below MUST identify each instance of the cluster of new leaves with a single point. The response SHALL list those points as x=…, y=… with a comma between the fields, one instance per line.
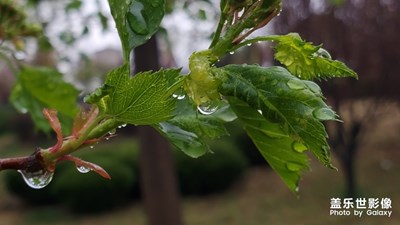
x=281, y=113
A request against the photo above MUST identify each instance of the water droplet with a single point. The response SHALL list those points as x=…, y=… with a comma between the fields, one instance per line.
x=23, y=110
x=38, y=179
x=296, y=84
x=294, y=167
x=231, y=53
x=120, y=127
x=249, y=44
x=259, y=111
x=207, y=108
x=91, y=146
x=124, y=125
x=179, y=97
x=20, y=55
x=136, y=20
x=298, y=146
x=83, y=169
x=297, y=189
x=323, y=53
x=112, y=132
x=324, y=114
x=107, y=138
x=313, y=87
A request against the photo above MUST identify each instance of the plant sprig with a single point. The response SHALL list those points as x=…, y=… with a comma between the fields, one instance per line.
x=280, y=109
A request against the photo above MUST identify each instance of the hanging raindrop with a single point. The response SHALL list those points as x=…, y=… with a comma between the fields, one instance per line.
x=232, y=53
x=91, y=146
x=124, y=125
x=112, y=132
x=38, y=179
x=83, y=169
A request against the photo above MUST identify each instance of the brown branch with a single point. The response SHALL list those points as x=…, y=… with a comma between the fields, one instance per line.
x=30, y=163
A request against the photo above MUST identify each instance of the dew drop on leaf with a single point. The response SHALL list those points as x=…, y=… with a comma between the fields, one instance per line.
x=91, y=146
x=207, y=108
x=324, y=114
x=83, y=169
x=38, y=179
x=323, y=53
x=179, y=97
x=294, y=167
x=112, y=132
x=298, y=146
x=124, y=125
x=136, y=20
x=249, y=44
x=296, y=84
x=231, y=53
x=313, y=87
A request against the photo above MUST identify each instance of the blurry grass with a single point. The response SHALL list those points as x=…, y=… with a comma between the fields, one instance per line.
x=261, y=197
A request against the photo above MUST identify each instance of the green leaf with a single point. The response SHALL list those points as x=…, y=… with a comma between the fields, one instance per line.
x=136, y=20
x=40, y=87
x=296, y=105
x=143, y=99
x=307, y=61
x=283, y=154
x=189, y=131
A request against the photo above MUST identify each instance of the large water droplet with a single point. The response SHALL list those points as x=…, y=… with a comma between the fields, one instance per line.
x=294, y=167
x=83, y=169
x=298, y=146
x=136, y=20
x=324, y=114
x=207, y=108
x=38, y=179
x=296, y=84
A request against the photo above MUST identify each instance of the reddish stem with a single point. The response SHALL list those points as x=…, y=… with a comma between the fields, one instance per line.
x=33, y=162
